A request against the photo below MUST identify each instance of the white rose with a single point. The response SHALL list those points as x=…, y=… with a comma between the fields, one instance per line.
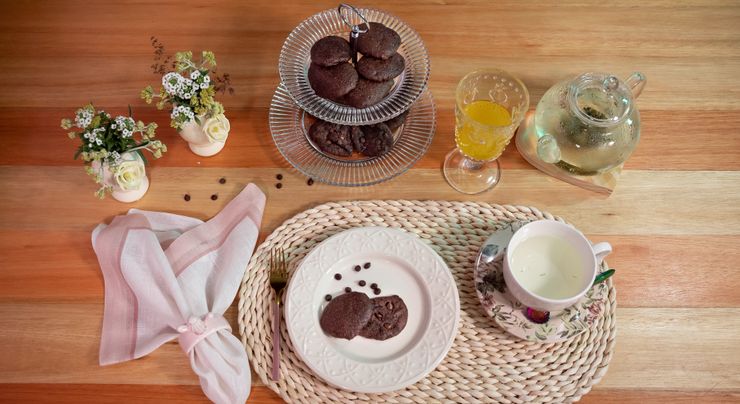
x=217, y=128
x=129, y=174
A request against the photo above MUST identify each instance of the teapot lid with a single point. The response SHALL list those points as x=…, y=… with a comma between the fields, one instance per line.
x=600, y=99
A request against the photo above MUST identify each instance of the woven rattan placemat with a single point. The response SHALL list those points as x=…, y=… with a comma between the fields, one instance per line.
x=485, y=364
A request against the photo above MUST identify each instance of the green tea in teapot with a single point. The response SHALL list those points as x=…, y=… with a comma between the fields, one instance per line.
x=590, y=124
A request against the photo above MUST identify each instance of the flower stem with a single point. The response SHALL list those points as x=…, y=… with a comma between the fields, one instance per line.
x=143, y=145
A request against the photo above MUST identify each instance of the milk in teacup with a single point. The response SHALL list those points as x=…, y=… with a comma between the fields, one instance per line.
x=548, y=266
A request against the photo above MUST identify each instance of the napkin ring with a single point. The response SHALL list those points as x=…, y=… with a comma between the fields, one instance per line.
x=197, y=329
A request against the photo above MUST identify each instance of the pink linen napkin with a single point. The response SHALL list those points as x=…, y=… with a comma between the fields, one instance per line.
x=169, y=276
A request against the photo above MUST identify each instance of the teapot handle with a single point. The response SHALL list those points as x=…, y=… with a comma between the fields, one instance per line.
x=636, y=82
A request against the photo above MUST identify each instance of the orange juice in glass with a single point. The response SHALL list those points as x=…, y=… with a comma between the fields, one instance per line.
x=490, y=104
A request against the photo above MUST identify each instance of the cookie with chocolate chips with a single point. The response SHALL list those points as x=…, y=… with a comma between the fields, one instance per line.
x=358, y=141
x=388, y=319
x=331, y=138
x=378, y=139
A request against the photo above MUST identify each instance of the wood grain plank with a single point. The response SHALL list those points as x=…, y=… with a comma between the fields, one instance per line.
x=144, y=394
x=653, y=351
x=670, y=140
x=60, y=266
x=249, y=145
x=676, y=349
x=39, y=43
x=645, y=202
x=613, y=396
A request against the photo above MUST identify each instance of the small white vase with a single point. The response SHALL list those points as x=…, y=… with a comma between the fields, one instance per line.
x=209, y=137
x=124, y=191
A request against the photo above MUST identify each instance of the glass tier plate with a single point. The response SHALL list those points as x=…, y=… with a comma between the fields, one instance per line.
x=295, y=58
x=289, y=126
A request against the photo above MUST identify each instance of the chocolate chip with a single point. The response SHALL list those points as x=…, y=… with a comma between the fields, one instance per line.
x=389, y=305
x=387, y=326
x=278, y=185
x=309, y=182
x=279, y=177
x=186, y=197
x=222, y=180
x=367, y=265
x=214, y=197
x=327, y=297
x=338, y=276
x=357, y=268
x=347, y=289
x=361, y=283
x=373, y=285
x=376, y=291
x=379, y=316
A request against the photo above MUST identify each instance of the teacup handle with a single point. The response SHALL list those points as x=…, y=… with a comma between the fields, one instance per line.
x=601, y=250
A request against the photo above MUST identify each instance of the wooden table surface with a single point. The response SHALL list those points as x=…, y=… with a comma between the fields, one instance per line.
x=674, y=220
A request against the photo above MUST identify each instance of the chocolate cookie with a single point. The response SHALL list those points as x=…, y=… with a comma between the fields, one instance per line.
x=330, y=51
x=332, y=82
x=381, y=69
x=379, y=42
x=331, y=138
x=388, y=319
x=346, y=314
x=378, y=139
x=358, y=141
x=395, y=123
x=367, y=93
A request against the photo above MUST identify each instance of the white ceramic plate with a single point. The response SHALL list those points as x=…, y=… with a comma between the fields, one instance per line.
x=401, y=265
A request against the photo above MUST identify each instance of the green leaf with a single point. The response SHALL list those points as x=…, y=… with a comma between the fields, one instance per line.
x=143, y=157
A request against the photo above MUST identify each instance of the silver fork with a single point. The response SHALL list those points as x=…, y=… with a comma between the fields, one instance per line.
x=278, y=279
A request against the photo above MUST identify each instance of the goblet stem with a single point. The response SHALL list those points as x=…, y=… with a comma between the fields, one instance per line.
x=472, y=165
x=470, y=176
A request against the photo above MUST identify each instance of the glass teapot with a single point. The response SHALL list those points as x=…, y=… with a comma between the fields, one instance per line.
x=589, y=124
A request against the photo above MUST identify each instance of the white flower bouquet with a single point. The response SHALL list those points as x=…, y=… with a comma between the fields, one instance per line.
x=190, y=91
x=112, y=148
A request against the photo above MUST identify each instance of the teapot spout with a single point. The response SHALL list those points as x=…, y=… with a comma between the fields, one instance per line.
x=636, y=82
x=547, y=149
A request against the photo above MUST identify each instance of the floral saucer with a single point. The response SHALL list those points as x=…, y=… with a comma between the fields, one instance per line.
x=508, y=313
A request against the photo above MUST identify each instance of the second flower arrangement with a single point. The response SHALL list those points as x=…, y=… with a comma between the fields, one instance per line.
x=190, y=92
